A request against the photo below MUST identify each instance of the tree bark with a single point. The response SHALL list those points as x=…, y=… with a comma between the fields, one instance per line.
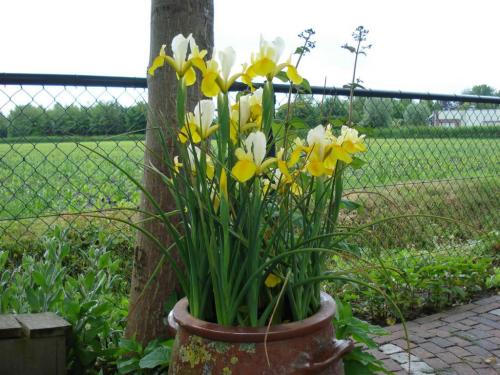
x=168, y=18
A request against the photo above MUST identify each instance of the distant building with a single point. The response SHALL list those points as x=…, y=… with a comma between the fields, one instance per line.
x=467, y=117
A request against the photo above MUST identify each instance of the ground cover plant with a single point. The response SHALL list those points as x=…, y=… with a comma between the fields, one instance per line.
x=421, y=281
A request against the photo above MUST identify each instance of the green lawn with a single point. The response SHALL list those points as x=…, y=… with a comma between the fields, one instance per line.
x=64, y=177
x=46, y=178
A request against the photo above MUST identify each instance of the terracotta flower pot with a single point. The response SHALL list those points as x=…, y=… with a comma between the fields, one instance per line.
x=304, y=347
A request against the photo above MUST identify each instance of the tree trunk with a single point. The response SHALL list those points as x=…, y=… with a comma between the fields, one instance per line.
x=168, y=18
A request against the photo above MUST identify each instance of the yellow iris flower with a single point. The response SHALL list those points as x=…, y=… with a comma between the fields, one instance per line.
x=217, y=74
x=265, y=63
x=246, y=114
x=199, y=123
x=251, y=159
x=182, y=66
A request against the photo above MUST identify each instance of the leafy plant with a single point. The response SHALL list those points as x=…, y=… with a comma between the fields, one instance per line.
x=93, y=300
x=359, y=361
x=153, y=359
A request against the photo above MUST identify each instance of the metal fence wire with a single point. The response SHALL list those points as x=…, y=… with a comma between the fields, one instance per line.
x=437, y=155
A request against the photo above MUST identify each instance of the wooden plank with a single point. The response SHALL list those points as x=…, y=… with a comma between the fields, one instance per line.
x=42, y=324
x=9, y=327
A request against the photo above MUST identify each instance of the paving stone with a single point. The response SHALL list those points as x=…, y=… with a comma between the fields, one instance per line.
x=486, y=308
x=457, y=317
x=474, y=349
x=495, y=339
x=485, y=321
x=487, y=301
x=433, y=324
x=403, y=357
x=495, y=312
x=486, y=371
x=458, y=341
x=437, y=363
x=449, y=358
x=392, y=365
x=390, y=348
x=418, y=367
x=458, y=351
x=475, y=361
x=432, y=348
x=464, y=369
x=378, y=354
x=442, y=333
x=488, y=345
x=457, y=326
x=402, y=343
x=421, y=353
x=443, y=343
x=469, y=322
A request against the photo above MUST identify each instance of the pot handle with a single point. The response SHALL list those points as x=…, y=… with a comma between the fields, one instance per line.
x=340, y=348
x=172, y=325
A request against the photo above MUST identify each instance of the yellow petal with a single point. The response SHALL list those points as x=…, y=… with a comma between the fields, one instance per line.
x=361, y=147
x=190, y=77
x=293, y=75
x=284, y=169
x=296, y=189
x=210, y=170
x=209, y=85
x=263, y=67
x=316, y=168
x=158, y=62
x=242, y=155
x=244, y=170
x=272, y=280
x=295, y=156
x=189, y=132
x=199, y=63
x=223, y=183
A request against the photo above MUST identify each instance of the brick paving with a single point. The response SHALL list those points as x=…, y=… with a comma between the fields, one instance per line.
x=461, y=341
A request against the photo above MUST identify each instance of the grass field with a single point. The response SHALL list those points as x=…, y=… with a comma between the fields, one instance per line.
x=47, y=178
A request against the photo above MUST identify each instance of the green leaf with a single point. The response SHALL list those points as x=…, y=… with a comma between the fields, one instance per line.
x=130, y=345
x=159, y=357
x=357, y=163
x=104, y=261
x=282, y=76
x=297, y=123
x=3, y=258
x=39, y=278
x=349, y=205
x=306, y=86
x=126, y=367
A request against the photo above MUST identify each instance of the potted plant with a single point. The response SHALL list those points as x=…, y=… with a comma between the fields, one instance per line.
x=257, y=210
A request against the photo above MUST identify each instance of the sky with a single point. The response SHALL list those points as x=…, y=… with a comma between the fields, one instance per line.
x=438, y=46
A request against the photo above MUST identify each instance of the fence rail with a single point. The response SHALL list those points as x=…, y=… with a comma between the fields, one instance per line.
x=428, y=153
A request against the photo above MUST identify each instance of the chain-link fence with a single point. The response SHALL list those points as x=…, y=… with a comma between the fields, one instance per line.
x=436, y=155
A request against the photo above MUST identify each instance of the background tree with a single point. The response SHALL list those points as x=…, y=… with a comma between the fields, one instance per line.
x=168, y=18
x=417, y=114
x=377, y=113
x=483, y=89
x=3, y=126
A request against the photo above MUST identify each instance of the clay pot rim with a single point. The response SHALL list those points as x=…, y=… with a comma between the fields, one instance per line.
x=213, y=331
